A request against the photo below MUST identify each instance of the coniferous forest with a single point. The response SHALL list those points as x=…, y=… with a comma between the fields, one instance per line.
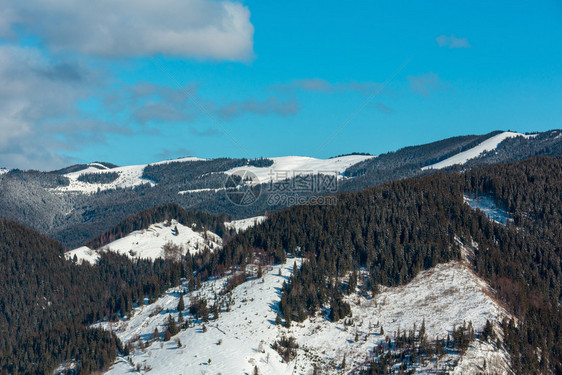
x=394, y=231
x=397, y=229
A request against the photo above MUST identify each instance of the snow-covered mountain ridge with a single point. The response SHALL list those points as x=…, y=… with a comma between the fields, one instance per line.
x=489, y=144
x=131, y=176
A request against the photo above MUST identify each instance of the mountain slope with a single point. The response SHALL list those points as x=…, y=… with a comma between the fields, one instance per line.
x=241, y=338
x=74, y=206
x=48, y=302
x=401, y=228
x=385, y=245
x=42, y=306
x=487, y=145
x=160, y=240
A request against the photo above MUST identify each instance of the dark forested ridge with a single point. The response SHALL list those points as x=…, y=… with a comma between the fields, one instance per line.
x=81, y=167
x=419, y=156
x=47, y=302
x=98, y=178
x=407, y=162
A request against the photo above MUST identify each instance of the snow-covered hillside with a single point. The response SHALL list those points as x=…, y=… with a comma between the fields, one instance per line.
x=83, y=254
x=129, y=176
x=241, y=338
x=282, y=168
x=150, y=243
x=3, y=170
x=488, y=145
x=243, y=224
x=291, y=166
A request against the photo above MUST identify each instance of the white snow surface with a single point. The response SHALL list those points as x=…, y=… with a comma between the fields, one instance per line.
x=129, y=176
x=149, y=243
x=200, y=190
x=240, y=339
x=243, y=224
x=488, y=205
x=3, y=170
x=488, y=145
x=83, y=254
x=179, y=160
x=290, y=166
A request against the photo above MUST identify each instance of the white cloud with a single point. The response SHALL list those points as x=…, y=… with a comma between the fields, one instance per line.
x=39, y=119
x=451, y=41
x=424, y=84
x=205, y=29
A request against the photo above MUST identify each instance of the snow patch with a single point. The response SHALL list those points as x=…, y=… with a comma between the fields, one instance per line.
x=243, y=224
x=98, y=166
x=180, y=160
x=129, y=176
x=149, y=243
x=83, y=254
x=199, y=190
x=488, y=205
x=286, y=167
x=282, y=168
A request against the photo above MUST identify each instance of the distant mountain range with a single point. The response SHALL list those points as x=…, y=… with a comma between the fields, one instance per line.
x=81, y=201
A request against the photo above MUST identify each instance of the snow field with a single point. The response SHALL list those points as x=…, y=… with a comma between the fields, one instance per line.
x=149, y=243
x=445, y=296
x=290, y=166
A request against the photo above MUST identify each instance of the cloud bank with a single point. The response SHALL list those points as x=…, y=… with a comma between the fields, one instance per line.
x=204, y=29
x=69, y=46
x=37, y=102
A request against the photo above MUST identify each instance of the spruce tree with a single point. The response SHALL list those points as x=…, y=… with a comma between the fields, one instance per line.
x=181, y=305
x=172, y=327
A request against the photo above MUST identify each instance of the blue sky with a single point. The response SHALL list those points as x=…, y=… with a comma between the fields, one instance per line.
x=140, y=81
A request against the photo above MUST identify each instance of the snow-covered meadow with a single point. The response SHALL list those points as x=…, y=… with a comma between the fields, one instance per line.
x=241, y=339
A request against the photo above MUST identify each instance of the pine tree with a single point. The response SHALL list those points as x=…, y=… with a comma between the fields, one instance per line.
x=167, y=335
x=181, y=305
x=172, y=327
x=215, y=311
